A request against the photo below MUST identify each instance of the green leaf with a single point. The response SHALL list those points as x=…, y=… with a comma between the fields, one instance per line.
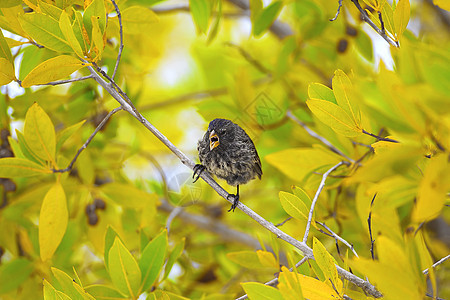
x=322, y=92
x=401, y=17
x=173, y=257
x=96, y=10
x=103, y=292
x=259, y=291
x=124, y=270
x=67, y=30
x=45, y=31
x=50, y=293
x=55, y=68
x=345, y=96
x=326, y=263
x=334, y=116
x=66, y=133
x=50, y=10
x=67, y=284
x=152, y=259
x=256, y=7
x=13, y=273
x=364, y=45
x=53, y=219
x=11, y=167
x=110, y=237
x=24, y=151
x=201, y=12
x=39, y=133
x=265, y=19
x=294, y=206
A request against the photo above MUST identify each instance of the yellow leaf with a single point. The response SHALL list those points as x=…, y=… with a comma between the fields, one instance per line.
x=39, y=133
x=294, y=206
x=137, y=19
x=267, y=259
x=97, y=39
x=345, y=98
x=432, y=189
x=11, y=17
x=289, y=285
x=67, y=30
x=53, y=69
x=326, y=263
x=6, y=71
x=5, y=52
x=392, y=282
x=444, y=4
x=334, y=116
x=11, y=167
x=247, y=259
x=45, y=31
x=312, y=288
x=53, y=220
x=300, y=162
x=401, y=17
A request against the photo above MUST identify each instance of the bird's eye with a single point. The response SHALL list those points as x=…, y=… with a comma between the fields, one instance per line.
x=223, y=131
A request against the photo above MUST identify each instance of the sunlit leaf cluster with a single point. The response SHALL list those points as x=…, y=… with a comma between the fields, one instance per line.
x=354, y=144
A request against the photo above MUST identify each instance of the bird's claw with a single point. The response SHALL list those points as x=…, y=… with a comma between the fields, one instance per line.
x=235, y=199
x=198, y=169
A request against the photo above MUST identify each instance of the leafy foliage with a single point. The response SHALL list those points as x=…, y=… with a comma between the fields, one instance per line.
x=94, y=206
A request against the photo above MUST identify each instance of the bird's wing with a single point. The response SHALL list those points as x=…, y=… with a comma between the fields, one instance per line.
x=257, y=166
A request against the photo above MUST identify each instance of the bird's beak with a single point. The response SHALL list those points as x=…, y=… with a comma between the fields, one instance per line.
x=213, y=140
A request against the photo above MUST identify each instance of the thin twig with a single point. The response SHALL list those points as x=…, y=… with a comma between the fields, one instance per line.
x=338, y=11
x=380, y=17
x=369, y=222
x=67, y=80
x=367, y=19
x=274, y=282
x=213, y=225
x=337, y=237
x=99, y=127
x=380, y=138
x=316, y=196
x=436, y=264
x=119, y=55
x=305, y=249
x=282, y=223
x=317, y=137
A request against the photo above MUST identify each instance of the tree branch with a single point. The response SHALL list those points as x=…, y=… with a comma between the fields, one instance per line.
x=307, y=251
x=338, y=11
x=318, y=137
x=119, y=55
x=99, y=127
x=67, y=80
x=367, y=19
x=316, y=196
x=337, y=237
x=436, y=264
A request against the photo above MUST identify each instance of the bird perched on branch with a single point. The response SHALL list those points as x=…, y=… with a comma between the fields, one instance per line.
x=228, y=152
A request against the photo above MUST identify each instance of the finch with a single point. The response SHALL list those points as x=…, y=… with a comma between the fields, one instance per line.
x=228, y=152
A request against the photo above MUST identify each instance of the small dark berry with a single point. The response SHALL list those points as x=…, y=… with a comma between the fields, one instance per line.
x=342, y=45
x=99, y=204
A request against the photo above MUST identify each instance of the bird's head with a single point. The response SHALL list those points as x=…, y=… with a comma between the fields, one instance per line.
x=220, y=133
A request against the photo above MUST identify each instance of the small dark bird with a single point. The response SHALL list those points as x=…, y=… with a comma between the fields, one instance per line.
x=228, y=152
